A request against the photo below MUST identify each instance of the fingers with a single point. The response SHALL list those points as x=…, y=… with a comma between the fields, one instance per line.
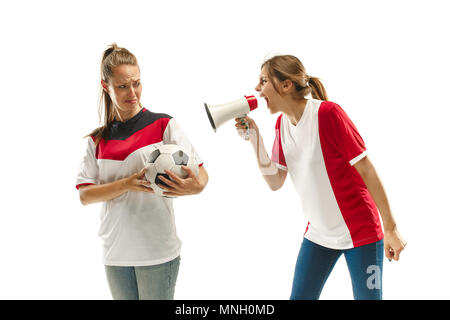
x=141, y=173
x=397, y=254
x=169, y=191
x=171, y=188
x=241, y=123
x=397, y=251
x=245, y=118
x=140, y=183
x=168, y=182
x=189, y=172
x=144, y=185
x=242, y=128
x=246, y=127
x=147, y=189
x=176, y=186
x=143, y=188
x=173, y=176
x=393, y=253
x=388, y=253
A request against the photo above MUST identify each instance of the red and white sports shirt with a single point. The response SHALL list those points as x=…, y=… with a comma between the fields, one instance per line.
x=137, y=228
x=319, y=153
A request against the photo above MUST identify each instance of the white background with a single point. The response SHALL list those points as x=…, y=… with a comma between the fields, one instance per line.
x=385, y=62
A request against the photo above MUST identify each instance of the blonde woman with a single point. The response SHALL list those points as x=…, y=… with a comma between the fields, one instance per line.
x=320, y=148
x=141, y=248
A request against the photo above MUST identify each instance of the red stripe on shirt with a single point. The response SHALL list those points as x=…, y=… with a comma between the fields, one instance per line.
x=277, y=149
x=121, y=149
x=340, y=142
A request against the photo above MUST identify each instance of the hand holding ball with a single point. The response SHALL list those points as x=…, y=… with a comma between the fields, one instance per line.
x=168, y=157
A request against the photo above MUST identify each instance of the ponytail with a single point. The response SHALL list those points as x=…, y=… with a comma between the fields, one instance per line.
x=317, y=89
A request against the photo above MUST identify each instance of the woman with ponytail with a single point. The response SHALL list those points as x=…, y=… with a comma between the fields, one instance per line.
x=341, y=193
x=140, y=245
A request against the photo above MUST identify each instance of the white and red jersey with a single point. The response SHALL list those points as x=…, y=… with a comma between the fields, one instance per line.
x=319, y=153
x=137, y=228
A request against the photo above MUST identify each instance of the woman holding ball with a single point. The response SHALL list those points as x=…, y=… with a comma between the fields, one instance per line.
x=140, y=245
x=341, y=193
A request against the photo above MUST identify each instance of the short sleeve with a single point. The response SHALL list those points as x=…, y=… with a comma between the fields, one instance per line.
x=174, y=135
x=88, y=171
x=340, y=131
x=277, y=149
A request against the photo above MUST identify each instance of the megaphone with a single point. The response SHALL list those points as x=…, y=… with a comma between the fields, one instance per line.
x=221, y=113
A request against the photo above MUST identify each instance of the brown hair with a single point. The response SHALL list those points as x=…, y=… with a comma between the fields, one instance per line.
x=287, y=67
x=112, y=57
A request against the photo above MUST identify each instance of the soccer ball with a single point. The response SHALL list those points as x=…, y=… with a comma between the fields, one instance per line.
x=168, y=157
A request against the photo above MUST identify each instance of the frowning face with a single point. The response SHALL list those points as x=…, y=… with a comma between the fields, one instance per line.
x=125, y=87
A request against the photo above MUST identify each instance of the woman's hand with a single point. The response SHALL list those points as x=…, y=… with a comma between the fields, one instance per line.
x=274, y=176
x=246, y=123
x=393, y=244
x=138, y=182
x=108, y=191
x=177, y=186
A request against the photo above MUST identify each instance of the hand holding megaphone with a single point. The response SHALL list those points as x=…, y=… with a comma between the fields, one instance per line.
x=245, y=124
x=221, y=113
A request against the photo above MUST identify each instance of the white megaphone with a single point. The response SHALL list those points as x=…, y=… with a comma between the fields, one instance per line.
x=220, y=113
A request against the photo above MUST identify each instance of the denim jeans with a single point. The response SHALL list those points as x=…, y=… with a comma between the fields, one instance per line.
x=155, y=282
x=315, y=263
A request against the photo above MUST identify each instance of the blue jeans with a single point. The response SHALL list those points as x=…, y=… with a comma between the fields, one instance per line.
x=155, y=282
x=315, y=263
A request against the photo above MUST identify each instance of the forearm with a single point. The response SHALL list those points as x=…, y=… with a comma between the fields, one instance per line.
x=267, y=167
x=393, y=241
x=202, y=179
x=265, y=164
x=102, y=192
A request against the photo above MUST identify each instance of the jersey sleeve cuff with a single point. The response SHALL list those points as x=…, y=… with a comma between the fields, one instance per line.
x=82, y=184
x=280, y=166
x=356, y=159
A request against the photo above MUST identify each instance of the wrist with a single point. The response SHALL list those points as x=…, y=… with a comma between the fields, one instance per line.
x=389, y=228
x=254, y=137
x=123, y=185
x=199, y=188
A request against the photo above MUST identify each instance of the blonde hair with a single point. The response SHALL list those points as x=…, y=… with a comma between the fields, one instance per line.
x=288, y=67
x=112, y=57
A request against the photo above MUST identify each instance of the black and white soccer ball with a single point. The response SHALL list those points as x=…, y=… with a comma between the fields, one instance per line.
x=168, y=157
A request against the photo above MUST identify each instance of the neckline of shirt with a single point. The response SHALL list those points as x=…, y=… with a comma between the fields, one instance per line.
x=130, y=121
x=302, y=118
